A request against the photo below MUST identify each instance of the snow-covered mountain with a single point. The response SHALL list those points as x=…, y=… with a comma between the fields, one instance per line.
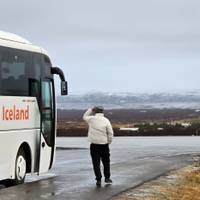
x=131, y=100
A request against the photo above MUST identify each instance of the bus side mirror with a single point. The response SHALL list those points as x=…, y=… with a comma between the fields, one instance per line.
x=64, y=88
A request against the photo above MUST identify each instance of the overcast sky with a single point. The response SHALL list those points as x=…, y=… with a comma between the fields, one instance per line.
x=114, y=45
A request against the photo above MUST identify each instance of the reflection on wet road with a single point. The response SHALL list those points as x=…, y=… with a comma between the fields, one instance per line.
x=133, y=161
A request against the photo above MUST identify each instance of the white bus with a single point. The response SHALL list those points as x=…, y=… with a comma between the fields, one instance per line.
x=27, y=108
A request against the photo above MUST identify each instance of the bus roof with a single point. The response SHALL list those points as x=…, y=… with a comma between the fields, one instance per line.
x=13, y=37
x=14, y=41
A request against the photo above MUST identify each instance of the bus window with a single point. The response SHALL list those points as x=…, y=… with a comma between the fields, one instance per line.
x=37, y=66
x=47, y=112
x=47, y=67
x=14, y=72
x=35, y=77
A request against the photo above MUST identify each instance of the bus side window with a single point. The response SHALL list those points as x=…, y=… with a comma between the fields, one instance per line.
x=37, y=66
x=47, y=67
x=34, y=89
x=47, y=112
x=14, y=72
x=35, y=76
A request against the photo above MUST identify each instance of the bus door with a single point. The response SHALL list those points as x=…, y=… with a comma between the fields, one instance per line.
x=47, y=136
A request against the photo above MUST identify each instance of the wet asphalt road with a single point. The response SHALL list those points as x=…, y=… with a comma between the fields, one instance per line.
x=133, y=161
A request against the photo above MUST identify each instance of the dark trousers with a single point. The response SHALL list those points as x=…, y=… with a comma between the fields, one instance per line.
x=100, y=152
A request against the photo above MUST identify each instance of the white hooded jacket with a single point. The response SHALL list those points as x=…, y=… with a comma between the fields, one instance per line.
x=100, y=129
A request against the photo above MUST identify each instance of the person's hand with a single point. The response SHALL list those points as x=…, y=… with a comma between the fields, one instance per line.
x=94, y=109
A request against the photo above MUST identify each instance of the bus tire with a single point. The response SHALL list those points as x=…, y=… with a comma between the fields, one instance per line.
x=20, y=167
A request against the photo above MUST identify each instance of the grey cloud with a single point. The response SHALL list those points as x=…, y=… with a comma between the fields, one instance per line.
x=114, y=44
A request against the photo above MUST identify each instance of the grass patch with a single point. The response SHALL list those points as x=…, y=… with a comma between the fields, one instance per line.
x=180, y=185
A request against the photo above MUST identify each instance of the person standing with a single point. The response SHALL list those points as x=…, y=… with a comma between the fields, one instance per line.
x=100, y=135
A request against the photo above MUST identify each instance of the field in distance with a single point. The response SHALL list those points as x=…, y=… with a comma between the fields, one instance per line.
x=137, y=122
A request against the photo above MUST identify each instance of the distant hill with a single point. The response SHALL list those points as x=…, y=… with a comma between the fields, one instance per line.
x=131, y=100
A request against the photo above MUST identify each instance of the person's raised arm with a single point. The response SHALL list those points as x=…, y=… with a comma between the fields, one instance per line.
x=87, y=115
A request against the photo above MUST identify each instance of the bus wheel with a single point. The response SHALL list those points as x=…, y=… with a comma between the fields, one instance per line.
x=20, y=167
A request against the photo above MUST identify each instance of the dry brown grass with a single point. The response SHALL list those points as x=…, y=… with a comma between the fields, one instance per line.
x=182, y=185
x=76, y=124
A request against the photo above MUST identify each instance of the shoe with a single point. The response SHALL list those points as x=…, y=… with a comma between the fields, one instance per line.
x=98, y=183
x=108, y=180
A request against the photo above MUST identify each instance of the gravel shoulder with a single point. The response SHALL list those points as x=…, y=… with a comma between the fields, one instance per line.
x=180, y=184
